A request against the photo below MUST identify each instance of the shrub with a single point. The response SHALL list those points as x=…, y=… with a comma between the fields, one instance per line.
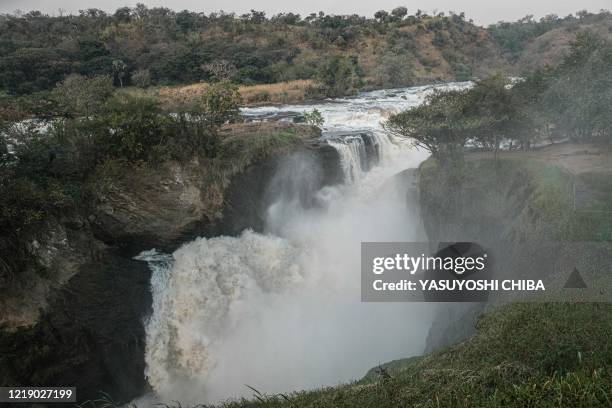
x=313, y=118
x=221, y=102
x=81, y=96
x=141, y=78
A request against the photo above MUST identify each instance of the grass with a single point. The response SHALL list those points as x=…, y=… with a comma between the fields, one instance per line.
x=282, y=92
x=522, y=355
x=244, y=145
x=600, y=181
x=277, y=93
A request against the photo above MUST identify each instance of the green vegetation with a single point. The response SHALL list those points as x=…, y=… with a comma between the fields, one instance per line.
x=55, y=166
x=568, y=101
x=144, y=47
x=441, y=125
x=517, y=200
x=313, y=117
x=513, y=37
x=221, y=103
x=156, y=46
x=339, y=76
x=66, y=132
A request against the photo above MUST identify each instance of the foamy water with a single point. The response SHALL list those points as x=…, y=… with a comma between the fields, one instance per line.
x=281, y=311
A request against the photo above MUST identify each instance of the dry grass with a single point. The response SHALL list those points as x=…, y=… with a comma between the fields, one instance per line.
x=281, y=92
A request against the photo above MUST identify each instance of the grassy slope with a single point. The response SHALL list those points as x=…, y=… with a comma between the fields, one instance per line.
x=473, y=52
x=549, y=48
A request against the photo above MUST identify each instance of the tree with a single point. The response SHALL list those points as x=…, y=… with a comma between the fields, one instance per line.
x=440, y=125
x=394, y=71
x=30, y=70
x=381, y=15
x=119, y=70
x=123, y=14
x=221, y=103
x=220, y=70
x=579, y=93
x=399, y=12
x=338, y=76
x=81, y=96
x=130, y=127
x=314, y=118
x=142, y=78
x=197, y=126
x=492, y=105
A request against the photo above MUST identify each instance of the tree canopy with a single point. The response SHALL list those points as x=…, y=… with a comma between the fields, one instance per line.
x=570, y=100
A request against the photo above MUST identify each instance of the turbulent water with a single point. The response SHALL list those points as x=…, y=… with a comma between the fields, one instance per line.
x=281, y=311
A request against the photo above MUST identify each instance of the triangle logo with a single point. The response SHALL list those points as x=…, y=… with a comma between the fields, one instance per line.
x=575, y=281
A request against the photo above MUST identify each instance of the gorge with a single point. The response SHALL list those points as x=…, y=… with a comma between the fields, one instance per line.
x=280, y=310
x=82, y=321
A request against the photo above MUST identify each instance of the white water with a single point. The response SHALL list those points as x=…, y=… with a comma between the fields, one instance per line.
x=281, y=311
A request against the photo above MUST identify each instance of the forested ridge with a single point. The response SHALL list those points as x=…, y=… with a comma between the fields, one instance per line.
x=144, y=46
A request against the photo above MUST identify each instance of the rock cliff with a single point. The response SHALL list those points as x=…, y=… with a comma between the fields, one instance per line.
x=75, y=316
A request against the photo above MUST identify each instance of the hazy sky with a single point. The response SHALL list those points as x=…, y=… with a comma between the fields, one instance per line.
x=482, y=11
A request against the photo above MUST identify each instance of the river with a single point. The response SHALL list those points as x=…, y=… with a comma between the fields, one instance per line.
x=281, y=310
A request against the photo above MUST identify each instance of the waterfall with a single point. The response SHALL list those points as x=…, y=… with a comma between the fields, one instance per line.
x=281, y=311
x=352, y=154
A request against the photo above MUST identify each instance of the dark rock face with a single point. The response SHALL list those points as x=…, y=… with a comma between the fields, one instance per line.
x=85, y=326
x=151, y=208
x=91, y=337
x=175, y=204
x=250, y=193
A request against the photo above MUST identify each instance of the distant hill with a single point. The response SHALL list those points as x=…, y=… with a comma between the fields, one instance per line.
x=529, y=44
x=157, y=46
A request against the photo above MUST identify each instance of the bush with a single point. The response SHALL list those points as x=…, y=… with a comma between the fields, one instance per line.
x=221, y=102
x=81, y=96
x=141, y=78
x=338, y=76
x=131, y=127
x=313, y=118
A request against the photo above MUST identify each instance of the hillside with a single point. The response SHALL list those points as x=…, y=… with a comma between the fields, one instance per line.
x=529, y=44
x=156, y=46
x=179, y=48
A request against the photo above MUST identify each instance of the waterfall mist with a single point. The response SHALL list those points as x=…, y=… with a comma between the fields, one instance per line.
x=281, y=311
